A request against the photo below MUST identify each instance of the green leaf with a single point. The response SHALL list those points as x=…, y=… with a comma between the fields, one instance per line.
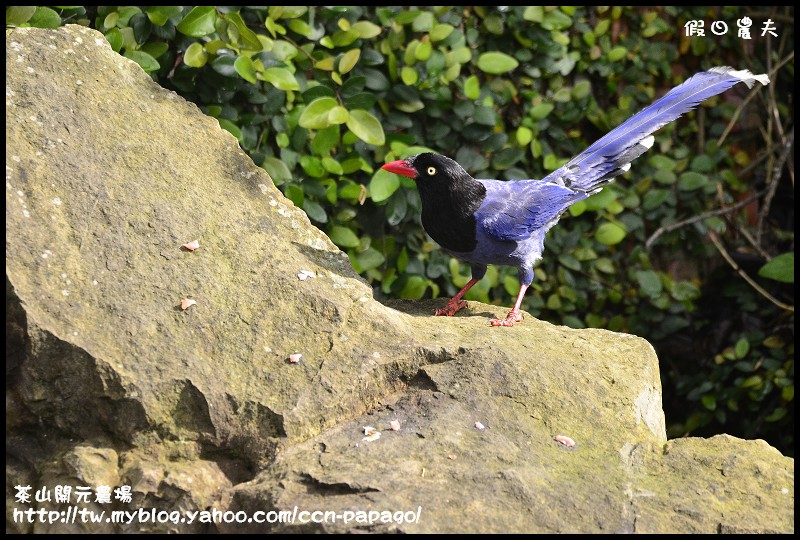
x=654, y=198
x=315, y=211
x=602, y=27
x=753, y=380
x=16, y=15
x=409, y=75
x=159, y=15
x=605, y=265
x=690, y=180
x=496, y=63
x=343, y=237
x=332, y=166
x=556, y=20
x=441, y=31
x=601, y=200
x=776, y=415
x=338, y=115
x=366, y=127
x=147, y=62
x=581, y=89
x=383, y=185
x=325, y=140
x=617, y=53
x=472, y=87
x=283, y=50
x=610, y=234
x=423, y=51
x=246, y=69
x=248, y=38
x=349, y=60
x=709, y=402
x=370, y=258
x=287, y=12
x=662, y=162
x=312, y=166
x=534, y=14
x=277, y=170
x=702, y=164
x=301, y=27
x=365, y=29
x=199, y=22
x=315, y=116
x=281, y=78
x=344, y=38
x=295, y=194
x=414, y=287
x=541, y=111
x=45, y=17
x=665, y=177
x=649, y=282
x=115, y=39
x=524, y=136
x=781, y=268
x=461, y=55
x=155, y=48
x=741, y=348
x=111, y=20
x=551, y=162
x=685, y=290
x=569, y=261
x=402, y=260
x=230, y=127
x=126, y=14
x=423, y=22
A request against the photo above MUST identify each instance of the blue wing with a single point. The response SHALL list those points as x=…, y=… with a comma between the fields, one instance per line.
x=513, y=209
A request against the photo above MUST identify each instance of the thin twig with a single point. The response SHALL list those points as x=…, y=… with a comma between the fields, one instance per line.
x=788, y=144
x=725, y=255
x=718, y=212
x=740, y=228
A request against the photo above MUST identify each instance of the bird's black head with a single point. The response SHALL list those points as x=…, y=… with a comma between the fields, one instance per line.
x=434, y=170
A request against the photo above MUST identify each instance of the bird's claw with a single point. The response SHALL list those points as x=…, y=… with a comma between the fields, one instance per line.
x=511, y=319
x=451, y=308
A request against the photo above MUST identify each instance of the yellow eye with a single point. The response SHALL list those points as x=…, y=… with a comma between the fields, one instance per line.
x=431, y=171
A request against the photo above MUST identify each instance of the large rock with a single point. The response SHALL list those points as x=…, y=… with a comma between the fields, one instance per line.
x=110, y=381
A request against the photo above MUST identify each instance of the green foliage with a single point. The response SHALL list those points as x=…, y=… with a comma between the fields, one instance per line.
x=781, y=268
x=321, y=97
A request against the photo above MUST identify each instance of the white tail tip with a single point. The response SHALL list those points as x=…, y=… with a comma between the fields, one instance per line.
x=743, y=75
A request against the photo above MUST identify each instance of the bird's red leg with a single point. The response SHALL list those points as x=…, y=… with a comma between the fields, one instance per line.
x=456, y=302
x=514, y=316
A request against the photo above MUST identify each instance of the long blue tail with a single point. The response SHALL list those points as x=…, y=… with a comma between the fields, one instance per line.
x=612, y=155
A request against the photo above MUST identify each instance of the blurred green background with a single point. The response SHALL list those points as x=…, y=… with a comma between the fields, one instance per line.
x=693, y=249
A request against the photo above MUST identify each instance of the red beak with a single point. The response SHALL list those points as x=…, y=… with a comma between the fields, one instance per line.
x=400, y=167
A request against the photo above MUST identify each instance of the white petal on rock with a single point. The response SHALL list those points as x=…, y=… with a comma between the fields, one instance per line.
x=193, y=245
x=567, y=442
x=303, y=275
